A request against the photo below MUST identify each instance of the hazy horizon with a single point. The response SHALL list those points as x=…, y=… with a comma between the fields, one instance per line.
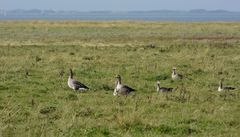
x=124, y=5
x=119, y=10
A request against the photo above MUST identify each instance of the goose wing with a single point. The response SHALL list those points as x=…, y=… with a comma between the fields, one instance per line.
x=180, y=76
x=229, y=88
x=164, y=89
x=127, y=89
x=78, y=85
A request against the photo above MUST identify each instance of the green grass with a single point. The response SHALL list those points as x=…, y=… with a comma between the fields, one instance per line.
x=41, y=104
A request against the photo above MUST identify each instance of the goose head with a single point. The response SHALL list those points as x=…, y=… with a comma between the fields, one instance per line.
x=174, y=69
x=118, y=77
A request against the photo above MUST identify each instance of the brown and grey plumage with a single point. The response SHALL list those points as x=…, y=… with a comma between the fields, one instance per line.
x=163, y=89
x=76, y=85
x=122, y=89
x=222, y=88
x=175, y=75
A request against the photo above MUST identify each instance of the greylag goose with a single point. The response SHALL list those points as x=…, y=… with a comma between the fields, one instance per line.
x=163, y=89
x=175, y=75
x=76, y=85
x=222, y=88
x=121, y=89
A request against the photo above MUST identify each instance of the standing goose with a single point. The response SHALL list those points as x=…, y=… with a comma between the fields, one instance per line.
x=222, y=88
x=175, y=75
x=121, y=89
x=76, y=85
x=163, y=89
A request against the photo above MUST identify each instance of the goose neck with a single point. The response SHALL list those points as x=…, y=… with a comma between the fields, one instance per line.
x=158, y=85
x=220, y=84
x=119, y=82
x=174, y=72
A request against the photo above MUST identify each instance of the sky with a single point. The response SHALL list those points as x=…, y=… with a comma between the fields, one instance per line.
x=120, y=5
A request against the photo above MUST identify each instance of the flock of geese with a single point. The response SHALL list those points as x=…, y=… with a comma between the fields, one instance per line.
x=121, y=89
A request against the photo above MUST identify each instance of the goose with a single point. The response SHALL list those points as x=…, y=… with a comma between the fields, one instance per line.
x=175, y=75
x=163, y=89
x=121, y=89
x=76, y=85
x=222, y=88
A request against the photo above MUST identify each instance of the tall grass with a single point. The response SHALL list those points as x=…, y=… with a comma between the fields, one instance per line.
x=35, y=57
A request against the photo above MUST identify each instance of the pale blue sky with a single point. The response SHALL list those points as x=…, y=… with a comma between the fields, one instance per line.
x=121, y=5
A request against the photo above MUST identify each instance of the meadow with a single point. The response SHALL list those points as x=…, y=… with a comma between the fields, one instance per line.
x=35, y=57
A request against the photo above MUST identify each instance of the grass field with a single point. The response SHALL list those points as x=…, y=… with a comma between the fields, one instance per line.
x=41, y=104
